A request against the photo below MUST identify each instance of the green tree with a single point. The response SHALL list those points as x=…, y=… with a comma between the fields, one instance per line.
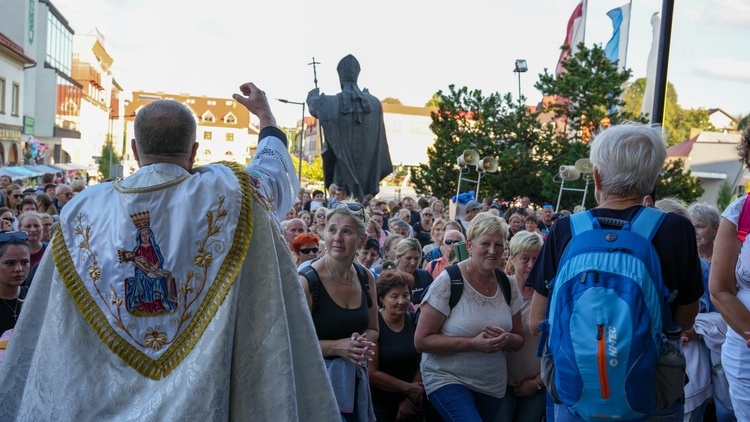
x=434, y=101
x=494, y=126
x=311, y=171
x=677, y=121
x=724, y=198
x=677, y=181
x=589, y=90
x=744, y=123
x=108, y=157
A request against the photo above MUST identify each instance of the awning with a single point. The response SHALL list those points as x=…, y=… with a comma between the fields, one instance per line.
x=18, y=172
x=41, y=168
x=62, y=167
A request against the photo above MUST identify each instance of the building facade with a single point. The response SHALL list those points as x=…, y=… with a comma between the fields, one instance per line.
x=225, y=130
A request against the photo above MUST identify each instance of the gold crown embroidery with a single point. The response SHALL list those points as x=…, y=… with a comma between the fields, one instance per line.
x=142, y=220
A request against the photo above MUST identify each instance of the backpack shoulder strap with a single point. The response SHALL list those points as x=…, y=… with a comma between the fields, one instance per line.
x=743, y=224
x=364, y=281
x=433, y=264
x=647, y=222
x=457, y=284
x=313, y=280
x=504, y=282
x=581, y=222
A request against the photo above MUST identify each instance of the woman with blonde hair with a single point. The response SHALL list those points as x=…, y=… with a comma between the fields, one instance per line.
x=463, y=347
x=341, y=294
x=525, y=396
x=436, y=253
x=408, y=257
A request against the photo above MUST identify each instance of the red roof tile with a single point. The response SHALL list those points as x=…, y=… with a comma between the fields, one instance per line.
x=15, y=48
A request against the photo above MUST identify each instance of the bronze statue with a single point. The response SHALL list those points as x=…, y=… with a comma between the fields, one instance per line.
x=355, y=152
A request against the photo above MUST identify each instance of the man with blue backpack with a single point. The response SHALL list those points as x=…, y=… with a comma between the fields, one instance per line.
x=612, y=287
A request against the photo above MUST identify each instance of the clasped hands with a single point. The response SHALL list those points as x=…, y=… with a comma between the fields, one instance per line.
x=357, y=349
x=492, y=339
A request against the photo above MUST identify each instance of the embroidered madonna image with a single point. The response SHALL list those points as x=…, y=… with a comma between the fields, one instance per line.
x=152, y=290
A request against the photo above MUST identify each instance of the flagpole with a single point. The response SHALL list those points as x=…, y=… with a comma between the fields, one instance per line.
x=625, y=58
x=660, y=91
x=583, y=20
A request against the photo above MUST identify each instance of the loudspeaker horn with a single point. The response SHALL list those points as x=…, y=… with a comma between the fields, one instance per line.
x=584, y=165
x=569, y=172
x=488, y=164
x=471, y=157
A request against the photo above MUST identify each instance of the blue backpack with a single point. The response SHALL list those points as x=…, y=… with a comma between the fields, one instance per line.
x=605, y=313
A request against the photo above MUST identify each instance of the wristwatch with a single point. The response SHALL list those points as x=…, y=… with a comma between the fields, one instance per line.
x=538, y=387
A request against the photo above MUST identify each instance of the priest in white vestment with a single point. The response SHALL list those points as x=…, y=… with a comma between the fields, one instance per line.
x=171, y=295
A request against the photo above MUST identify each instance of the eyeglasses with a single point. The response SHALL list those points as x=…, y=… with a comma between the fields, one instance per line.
x=308, y=250
x=353, y=206
x=17, y=196
x=10, y=220
x=450, y=241
x=68, y=193
x=427, y=214
x=320, y=215
x=8, y=236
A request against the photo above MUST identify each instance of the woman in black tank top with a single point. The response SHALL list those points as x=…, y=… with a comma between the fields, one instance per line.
x=346, y=326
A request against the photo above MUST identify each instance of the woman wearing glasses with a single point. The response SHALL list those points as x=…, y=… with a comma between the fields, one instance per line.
x=14, y=266
x=422, y=228
x=319, y=222
x=341, y=295
x=15, y=197
x=306, y=247
x=437, y=266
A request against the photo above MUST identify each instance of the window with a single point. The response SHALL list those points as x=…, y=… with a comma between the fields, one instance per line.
x=211, y=102
x=15, y=100
x=207, y=117
x=2, y=96
x=230, y=119
x=207, y=136
x=230, y=137
x=229, y=154
x=229, y=103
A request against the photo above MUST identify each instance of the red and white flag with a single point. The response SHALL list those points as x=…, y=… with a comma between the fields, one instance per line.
x=575, y=34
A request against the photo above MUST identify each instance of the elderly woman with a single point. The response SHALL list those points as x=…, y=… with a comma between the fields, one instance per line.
x=525, y=397
x=319, y=222
x=408, y=257
x=400, y=227
x=306, y=247
x=463, y=349
x=730, y=292
x=436, y=236
x=436, y=253
x=394, y=370
x=345, y=319
x=627, y=160
x=436, y=266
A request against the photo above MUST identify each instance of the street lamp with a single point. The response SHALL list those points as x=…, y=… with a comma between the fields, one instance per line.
x=301, y=136
x=521, y=67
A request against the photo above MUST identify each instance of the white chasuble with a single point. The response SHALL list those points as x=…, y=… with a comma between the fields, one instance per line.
x=175, y=301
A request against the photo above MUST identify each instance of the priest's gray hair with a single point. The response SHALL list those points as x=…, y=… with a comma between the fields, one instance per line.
x=165, y=127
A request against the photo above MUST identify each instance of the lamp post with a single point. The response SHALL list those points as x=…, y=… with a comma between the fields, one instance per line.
x=301, y=136
x=521, y=67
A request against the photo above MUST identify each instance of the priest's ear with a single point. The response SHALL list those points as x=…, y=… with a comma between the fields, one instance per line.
x=135, y=151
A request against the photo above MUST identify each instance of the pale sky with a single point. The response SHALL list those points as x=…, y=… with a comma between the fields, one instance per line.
x=408, y=49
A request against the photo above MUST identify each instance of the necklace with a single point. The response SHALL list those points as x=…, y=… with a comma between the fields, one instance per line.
x=350, y=284
x=468, y=269
x=14, y=309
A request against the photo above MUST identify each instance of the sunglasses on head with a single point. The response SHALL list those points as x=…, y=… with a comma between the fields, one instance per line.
x=8, y=236
x=308, y=250
x=353, y=206
x=450, y=241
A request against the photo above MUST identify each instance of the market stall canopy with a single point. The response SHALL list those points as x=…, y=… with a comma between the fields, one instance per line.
x=18, y=172
x=41, y=168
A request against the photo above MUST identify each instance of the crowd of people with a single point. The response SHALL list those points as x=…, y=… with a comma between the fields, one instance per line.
x=399, y=311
